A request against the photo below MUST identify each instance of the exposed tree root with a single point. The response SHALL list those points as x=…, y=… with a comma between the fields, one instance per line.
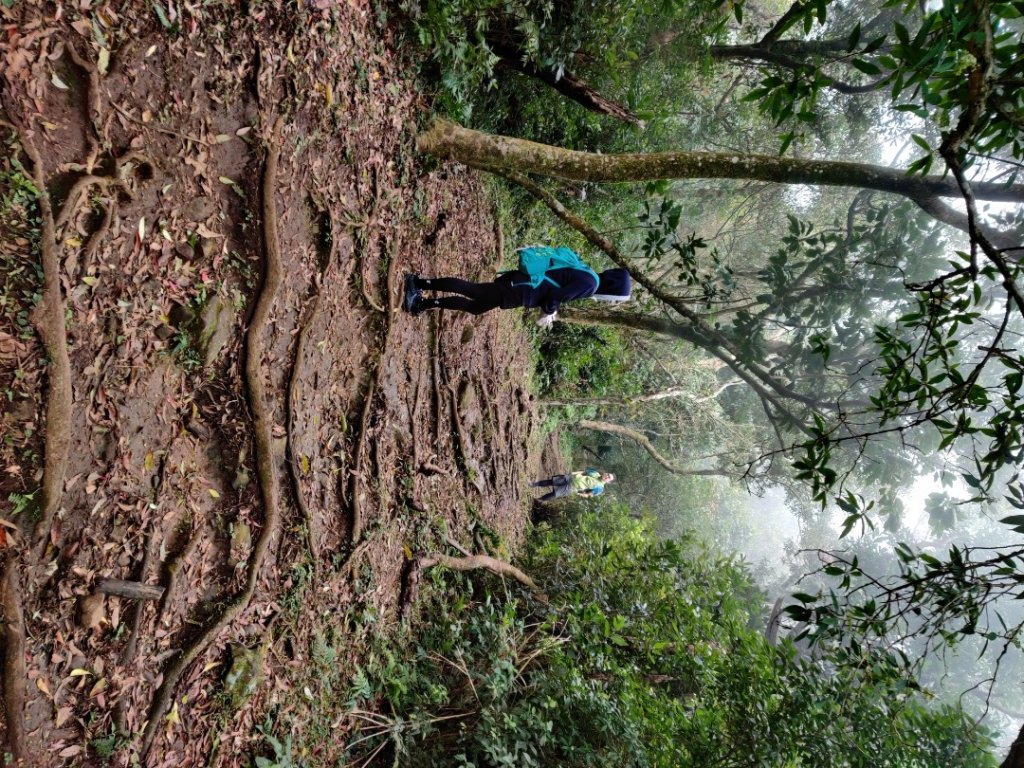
x=488, y=563
x=49, y=320
x=428, y=468
x=134, y=623
x=135, y=619
x=109, y=212
x=293, y=401
x=369, y=298
x=435, y=359
x=92, y=103
x=13, y=658
x=48, y=317
x=174, y=567
x=357, y=470
x=266, y=465
x=462, y=441
x=391, y=284
x=353, y=558
x=415, y=567
x=412, y=574
x=364, y=422
x=81, y=187
x=470, y=468
x=413, y=408
x=293, y=459
x=499, y=238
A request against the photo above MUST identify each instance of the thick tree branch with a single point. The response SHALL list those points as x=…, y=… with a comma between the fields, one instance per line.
x=787, y=20
x=445, y=139
x=641, y=439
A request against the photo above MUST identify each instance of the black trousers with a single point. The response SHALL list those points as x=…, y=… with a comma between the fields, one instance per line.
x=475, y=298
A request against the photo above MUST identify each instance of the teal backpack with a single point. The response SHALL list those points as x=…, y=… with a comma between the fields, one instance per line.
x=536, y=261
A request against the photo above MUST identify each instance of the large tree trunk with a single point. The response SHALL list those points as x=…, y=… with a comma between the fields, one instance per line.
x=490, y=151
x=1015, y=759
x=567, y=84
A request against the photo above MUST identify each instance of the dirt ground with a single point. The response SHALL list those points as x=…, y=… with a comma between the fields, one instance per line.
x=269, y=514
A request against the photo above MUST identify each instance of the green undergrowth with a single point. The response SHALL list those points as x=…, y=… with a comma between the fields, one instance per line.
x=649, y=653
x=570, y=360
x=582, y=361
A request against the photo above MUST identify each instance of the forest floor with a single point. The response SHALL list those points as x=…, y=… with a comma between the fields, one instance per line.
x=268, y=453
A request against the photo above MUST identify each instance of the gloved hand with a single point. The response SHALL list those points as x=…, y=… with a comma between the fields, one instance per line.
x=546, y=321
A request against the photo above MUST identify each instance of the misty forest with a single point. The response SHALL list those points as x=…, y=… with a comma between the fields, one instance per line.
x=268, y=500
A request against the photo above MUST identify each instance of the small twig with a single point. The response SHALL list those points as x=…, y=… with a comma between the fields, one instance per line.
x=132, y=590
x=134, y=623
x=455, y=545
x=159, y=128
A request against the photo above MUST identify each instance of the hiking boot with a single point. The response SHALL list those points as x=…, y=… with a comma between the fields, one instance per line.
x=412, y=294
x=418, y=306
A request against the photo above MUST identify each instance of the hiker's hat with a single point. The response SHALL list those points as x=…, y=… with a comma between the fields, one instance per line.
x=615, y=285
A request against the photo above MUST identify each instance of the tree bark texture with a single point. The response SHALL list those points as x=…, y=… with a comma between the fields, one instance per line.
x=445, y=139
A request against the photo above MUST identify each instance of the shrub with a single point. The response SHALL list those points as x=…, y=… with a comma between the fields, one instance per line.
x=649, y=654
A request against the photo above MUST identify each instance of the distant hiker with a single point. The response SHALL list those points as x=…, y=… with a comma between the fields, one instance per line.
x=546, y=277
x=588, y=482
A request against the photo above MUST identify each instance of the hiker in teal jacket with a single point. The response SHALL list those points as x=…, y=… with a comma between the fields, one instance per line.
x=588, y=482
x=513, y=289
